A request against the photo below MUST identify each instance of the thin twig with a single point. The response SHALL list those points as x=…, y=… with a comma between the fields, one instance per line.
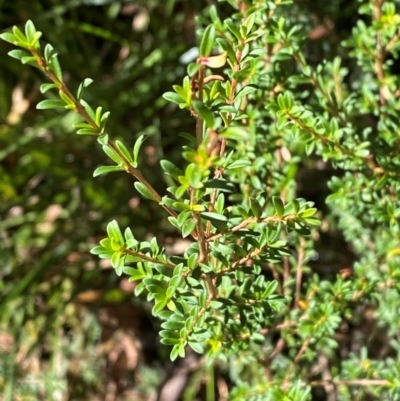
x=296, y=360
x=380, y=55
x=392, y=41
x=286, y=275
x=199, y=120
x=329, y=387
x=149, y=258
x=355, y=382
x=299, y=272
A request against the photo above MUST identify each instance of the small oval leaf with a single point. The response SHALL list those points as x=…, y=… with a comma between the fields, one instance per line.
x=105, y=169
x=207, y=41
x=50, y=104
x=214, y=216
x=278, y=205
x=142, y=189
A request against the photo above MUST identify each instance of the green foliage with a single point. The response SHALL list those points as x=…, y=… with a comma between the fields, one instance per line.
x=264, y=114
x=53, y=211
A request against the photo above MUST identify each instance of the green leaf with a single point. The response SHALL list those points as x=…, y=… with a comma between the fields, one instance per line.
x=9, y=37
x=170, y=341
x=47, y=86
x=69, y=104
x=177, y=276
x=159, y=305
x=106, y=169
x=103, y=120
x=174, y=222
x=222, y=185
x=270, y=289
x=137, y=146
x=169, y=334
x=32, y=60
x=253, y=36
x=236, y=132
x=239, y=164
x=214, y=217
x=197, y=347
x=81, y=125
x=228, y=48
x=103, y=139
x=180, y=91
x=281, y=101
x=214, y=15
x=128, y=234
x=111, y=154
x=193, y=175
x=204, y=113
x=258, y=338
x=181, y=350
x=309, y=147
x=278, y=205
x=175, y=352
x=312, y=221
x=183, y=216
x=88, y=109
x=49, y=53
x=255, y=207
x=30, y=31
x=165, y=200
x=35, y=40
x=19, y=35
x=189, y=137
x=98, y=250
x=173, y=97
x=142, y=189
x=172, y=289
x=54, y=65
x=117, y=262
x=188, y=227
x=219, y=204
x=296, y=205
x=250, y=22
x=86, y=82
x=134, y=274
x=19, y=54
x=122, y=148
x=155, y=289
x=207, y=41
x=382, y=182
x=50, y=104
x=139, y=289
x=197, y=208
x=180, y=191
x=172, y=325
x=246, y=91
x=87, y=131
x=233, y=28
x=243, y=31
x=308, y=212
x=114, y=232
x=171, y=169
x=192, y=69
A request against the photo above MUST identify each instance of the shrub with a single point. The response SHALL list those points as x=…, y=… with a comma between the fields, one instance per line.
x=256, y=291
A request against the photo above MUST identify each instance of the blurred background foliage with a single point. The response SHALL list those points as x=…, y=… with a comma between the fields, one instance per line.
x=70, y=329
